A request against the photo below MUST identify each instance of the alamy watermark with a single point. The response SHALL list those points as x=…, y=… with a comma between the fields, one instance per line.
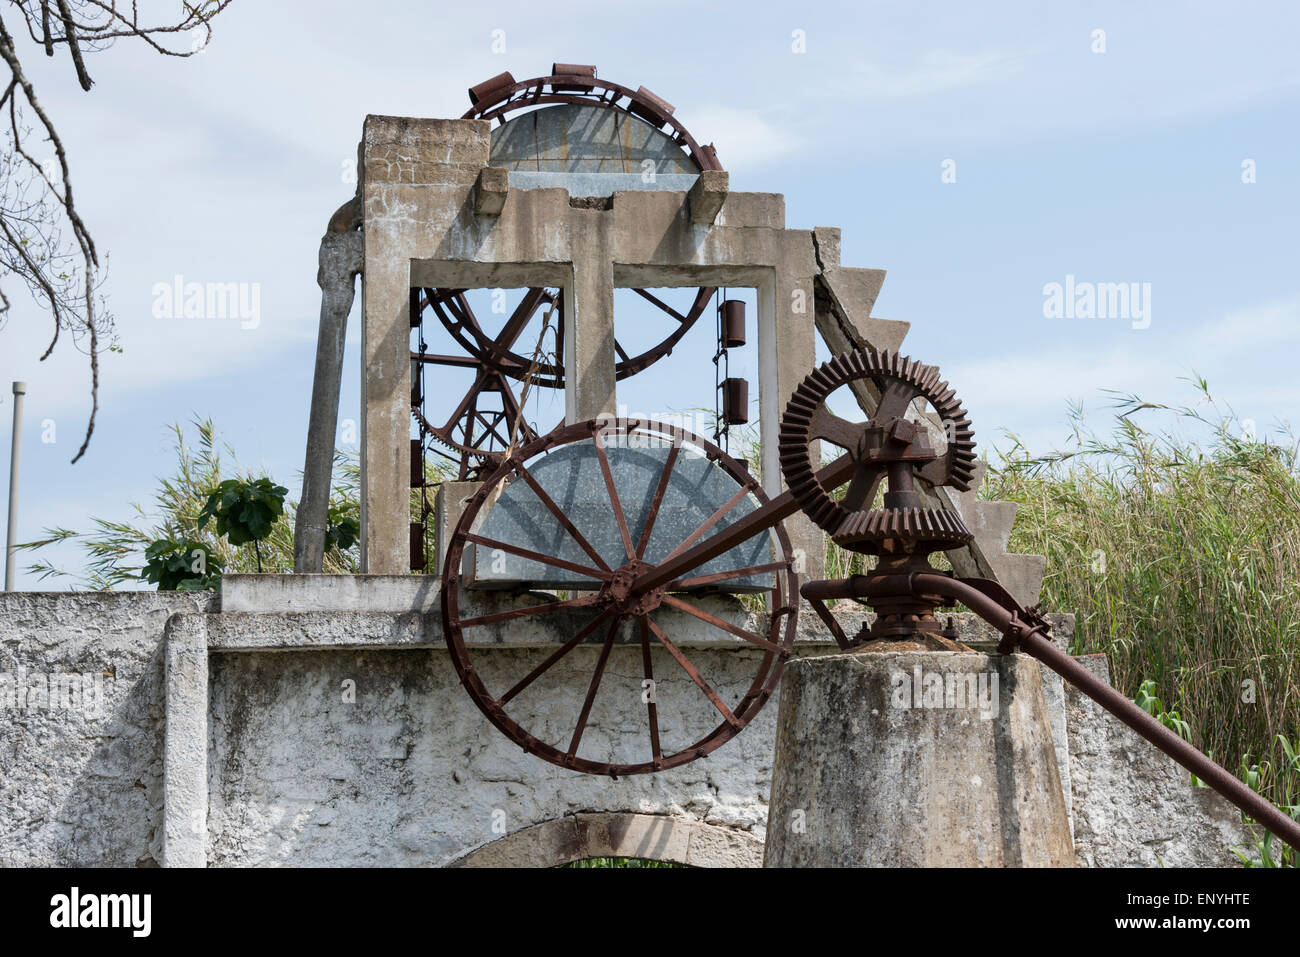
x=1098, y=300
x=22, y=690
x=935, y=689
x=179, y=299
x=699, y=422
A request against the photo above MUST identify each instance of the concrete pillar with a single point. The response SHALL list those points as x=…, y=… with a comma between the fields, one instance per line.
x=787, y=353
x=448, y=506
x=341, y=259
x=589, y=357
x=185, y=748
x=417, y=184
x=915, y=759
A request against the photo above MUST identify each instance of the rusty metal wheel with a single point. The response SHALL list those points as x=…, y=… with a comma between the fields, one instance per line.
x=523, y=570
x=453, y=310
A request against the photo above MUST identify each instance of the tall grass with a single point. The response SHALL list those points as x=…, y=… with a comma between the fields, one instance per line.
x=1177, y=544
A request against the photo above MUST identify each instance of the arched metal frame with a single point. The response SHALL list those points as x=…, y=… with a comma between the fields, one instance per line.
x=502, y=95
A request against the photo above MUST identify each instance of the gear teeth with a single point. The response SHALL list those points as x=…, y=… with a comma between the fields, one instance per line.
x=923, y=529
x=925, y=381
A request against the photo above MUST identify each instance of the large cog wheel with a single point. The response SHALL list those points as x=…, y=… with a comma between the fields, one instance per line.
x=890, y=447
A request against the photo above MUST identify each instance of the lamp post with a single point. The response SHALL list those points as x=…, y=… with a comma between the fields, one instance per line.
x=20, y=390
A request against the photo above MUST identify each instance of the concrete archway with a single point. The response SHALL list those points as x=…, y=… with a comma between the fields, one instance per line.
x=650, y=836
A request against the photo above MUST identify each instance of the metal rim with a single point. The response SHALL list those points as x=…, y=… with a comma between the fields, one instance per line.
x=611, y=610
x=457, y=317
x=589, y=91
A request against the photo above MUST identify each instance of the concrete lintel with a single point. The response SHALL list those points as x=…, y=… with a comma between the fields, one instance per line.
x=323, y=631
x=656, y=275
x=707, y=196
x=267, y=594
x=490, y=191
x=185, y=756
x=471, y=274
x=282, y=612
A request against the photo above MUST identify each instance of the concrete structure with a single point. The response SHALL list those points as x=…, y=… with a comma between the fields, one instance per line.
x=317, y=720
x=314, y=719
x=421, y=229
x=916, y=759
x=445, y=203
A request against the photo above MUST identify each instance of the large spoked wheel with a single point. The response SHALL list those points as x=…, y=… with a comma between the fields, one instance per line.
x=522, y=569
x=457, y=316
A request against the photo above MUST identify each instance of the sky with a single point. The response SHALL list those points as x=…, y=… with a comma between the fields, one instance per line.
x=978, y=152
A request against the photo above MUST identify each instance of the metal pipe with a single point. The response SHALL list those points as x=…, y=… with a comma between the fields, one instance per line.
x=1039, y=646
x=20, y=390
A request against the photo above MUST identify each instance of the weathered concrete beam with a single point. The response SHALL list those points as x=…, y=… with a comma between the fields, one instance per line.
x=707, y=196
x=340, y=261
x=490, y=190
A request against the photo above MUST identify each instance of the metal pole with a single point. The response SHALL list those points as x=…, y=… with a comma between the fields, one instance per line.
x=20, y=390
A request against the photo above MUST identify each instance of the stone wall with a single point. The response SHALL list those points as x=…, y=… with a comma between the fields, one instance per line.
x=344, y=737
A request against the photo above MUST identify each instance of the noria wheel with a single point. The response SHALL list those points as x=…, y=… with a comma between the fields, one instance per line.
x=550, y=552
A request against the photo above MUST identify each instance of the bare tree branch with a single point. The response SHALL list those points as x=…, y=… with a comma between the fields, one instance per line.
x=43, y=240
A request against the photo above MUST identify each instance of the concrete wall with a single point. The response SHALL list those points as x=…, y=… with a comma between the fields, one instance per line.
x=233, y=738
x=81, y=783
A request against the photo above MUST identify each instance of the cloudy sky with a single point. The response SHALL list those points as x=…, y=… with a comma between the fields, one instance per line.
x=1122, y=166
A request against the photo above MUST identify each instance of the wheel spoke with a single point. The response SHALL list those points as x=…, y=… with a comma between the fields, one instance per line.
x=652, y=709
x=712, y=520
x=717, y=622
x=432, y=358
x=703, y=685
x=536, y=556
x=700, y=580
x=563, y=519
x=862, y=490
x=592, y=688
x=613, y=496
x=523, y=314
x=658, y=498
x=661, y=304
x=894, y=400
x=832, y=428
x=529, y=611
x=553, y=657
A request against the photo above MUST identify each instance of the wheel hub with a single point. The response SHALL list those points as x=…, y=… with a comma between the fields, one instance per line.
x=617, y=592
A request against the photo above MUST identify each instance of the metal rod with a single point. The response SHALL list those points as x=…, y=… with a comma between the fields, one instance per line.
x=762, y=518
x=20, y=390
x=1039, y=646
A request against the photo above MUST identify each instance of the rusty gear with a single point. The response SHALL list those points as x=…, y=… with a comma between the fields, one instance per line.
x=888, y=446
